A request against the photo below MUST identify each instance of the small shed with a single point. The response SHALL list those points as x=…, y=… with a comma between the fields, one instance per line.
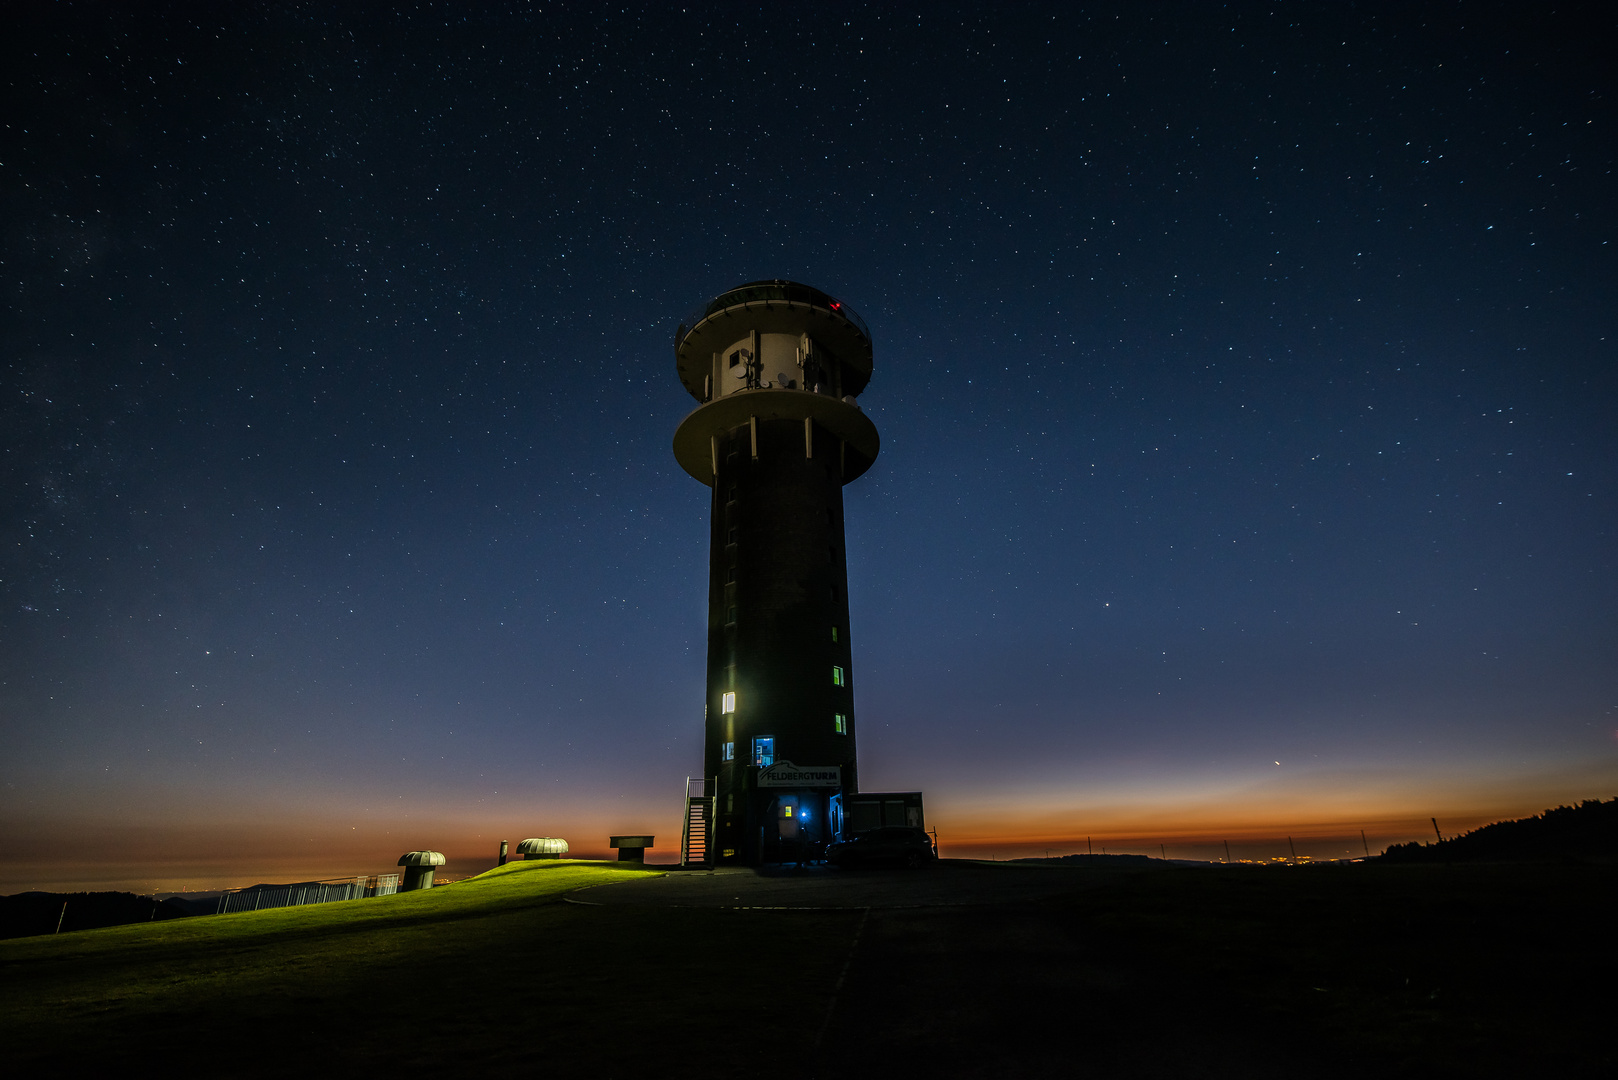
x=630, y=848
x=542, y=847
x=862, y=811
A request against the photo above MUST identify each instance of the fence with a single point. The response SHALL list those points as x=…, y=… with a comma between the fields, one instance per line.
x=260, y=897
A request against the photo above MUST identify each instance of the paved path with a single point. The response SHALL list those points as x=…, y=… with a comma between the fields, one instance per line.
x=949, y=883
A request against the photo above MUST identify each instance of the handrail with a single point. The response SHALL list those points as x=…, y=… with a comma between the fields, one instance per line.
x=707, y=803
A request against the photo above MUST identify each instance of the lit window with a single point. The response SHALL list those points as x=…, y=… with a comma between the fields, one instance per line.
x=764, y=751
x=727, y=703
x=837, y=677
x=834, y=633
x=840, y=723
x=727, y=751
x=786, y=811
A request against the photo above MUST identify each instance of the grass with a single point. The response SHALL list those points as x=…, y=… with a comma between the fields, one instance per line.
x=494, y=969
x=1319, y=971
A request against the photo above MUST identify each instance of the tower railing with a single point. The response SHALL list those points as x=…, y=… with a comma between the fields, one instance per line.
x=763, y=292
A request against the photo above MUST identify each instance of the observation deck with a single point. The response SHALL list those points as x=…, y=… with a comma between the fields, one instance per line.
x=773, y=351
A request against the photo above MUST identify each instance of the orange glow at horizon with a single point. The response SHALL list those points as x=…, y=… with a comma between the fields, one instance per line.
x=203, y=858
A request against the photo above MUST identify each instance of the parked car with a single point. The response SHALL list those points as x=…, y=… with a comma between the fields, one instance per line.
x=896, y=845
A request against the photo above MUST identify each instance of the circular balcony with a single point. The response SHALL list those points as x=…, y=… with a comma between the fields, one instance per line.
x=842, y=420
x=772, y=307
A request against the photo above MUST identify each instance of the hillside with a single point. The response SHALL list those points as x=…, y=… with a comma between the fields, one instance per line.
x=1588, y=830
x=25, y=914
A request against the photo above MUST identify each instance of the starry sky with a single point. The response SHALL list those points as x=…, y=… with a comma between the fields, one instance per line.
x=1244, y=373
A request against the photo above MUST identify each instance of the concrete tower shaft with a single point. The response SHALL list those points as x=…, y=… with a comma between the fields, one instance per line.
x=776, y=367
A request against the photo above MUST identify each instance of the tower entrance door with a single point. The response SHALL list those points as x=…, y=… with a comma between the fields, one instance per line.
x=798, y=831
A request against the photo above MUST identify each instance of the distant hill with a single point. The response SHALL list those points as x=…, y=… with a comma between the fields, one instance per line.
x=1589, y=829
x=29, y=913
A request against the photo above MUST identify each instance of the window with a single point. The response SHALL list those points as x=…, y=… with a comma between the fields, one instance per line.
x=732, y=537
x=727, y=751
x=727, y=703
x=834, y=633
x=730, y=575
x=730, y=616
x=837, y=677
x=786, y=810
x=839, y=721
x=764, y=750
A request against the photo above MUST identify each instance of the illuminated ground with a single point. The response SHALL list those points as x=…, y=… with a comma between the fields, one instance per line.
x=1310, y=971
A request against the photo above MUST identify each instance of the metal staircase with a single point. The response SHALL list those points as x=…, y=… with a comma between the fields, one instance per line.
x=696, y=845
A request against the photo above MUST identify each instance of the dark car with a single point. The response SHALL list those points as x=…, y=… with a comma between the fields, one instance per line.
x=898, y=845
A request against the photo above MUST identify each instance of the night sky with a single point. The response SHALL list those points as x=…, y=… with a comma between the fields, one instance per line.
x=1245, y=379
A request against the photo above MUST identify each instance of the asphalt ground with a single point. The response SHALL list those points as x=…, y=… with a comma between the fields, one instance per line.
x=969, y=969
x=953, y=969
x=947, y=883
x=966, y=969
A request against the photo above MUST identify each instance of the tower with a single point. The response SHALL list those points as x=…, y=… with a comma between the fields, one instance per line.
x=777, y=368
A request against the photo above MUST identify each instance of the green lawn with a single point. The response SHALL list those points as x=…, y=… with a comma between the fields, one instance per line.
x=492, y=970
